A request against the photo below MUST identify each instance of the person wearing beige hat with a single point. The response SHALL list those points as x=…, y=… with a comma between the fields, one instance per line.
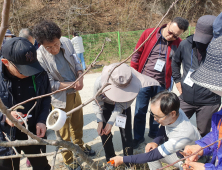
x=115, y=102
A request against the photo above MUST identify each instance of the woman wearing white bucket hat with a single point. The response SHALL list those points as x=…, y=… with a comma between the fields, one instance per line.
x=209, y=75
x=115, y=103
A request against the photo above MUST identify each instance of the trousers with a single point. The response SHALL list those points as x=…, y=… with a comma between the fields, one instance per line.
x=126, y=134
x=73, y=127
x=142, y=103
x=80, y=55
x=203, y=115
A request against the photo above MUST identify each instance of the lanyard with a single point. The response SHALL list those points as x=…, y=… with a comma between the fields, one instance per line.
x=161, y=48
x=191, y=59
x=33, y=81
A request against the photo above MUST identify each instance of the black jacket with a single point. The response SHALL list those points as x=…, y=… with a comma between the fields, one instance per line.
x=41, y=109
x=195, y=95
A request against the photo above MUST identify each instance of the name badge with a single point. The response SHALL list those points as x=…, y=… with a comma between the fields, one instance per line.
x=121, y=121
x=159, y=65
x=187, y=80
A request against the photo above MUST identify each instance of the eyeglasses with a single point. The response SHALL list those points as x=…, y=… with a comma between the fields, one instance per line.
x=171, y=33
x=157, y=117
x=57, y=45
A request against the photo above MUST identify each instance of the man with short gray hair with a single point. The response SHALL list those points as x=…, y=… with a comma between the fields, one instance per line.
x=27, y=33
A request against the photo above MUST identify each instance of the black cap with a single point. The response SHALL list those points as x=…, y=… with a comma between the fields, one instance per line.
x=22, y=54
x=204, y=29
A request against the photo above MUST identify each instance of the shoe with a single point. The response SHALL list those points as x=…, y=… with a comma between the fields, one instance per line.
x=73, y=166
x=88, y=151
x=151, y=136
x=28, y=164
x=136, y=143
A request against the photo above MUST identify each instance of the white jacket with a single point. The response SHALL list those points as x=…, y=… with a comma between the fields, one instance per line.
x=77, y=44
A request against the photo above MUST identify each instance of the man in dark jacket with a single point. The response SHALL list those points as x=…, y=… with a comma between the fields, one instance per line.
x=191, y=53
x=154, y=60
x=21, y=78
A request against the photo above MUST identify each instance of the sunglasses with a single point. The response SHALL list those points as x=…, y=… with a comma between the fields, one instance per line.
x=171, y=33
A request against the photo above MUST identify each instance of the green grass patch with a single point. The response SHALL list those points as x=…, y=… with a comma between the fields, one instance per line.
x=93, y=45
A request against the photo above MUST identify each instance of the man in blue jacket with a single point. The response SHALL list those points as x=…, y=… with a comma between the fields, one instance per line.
x=21, y=78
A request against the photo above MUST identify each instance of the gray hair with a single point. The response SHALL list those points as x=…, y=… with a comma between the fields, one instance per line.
x=25, y=33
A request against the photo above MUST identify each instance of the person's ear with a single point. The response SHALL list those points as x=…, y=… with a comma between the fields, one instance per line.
x=174, y=113
x=168, y=24
x=5, y=62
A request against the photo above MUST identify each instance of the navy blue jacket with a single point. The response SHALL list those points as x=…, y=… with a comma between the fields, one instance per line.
x=41, y=109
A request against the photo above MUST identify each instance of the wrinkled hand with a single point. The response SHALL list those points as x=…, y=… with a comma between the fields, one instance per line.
x=78, y=85
x=150, y=146
x=107, y=129
x=118, y=160
x=190, y=149
x=179, y=88
x=15, y=115
x=194, y=166
x=100, y=128
x=40, y=129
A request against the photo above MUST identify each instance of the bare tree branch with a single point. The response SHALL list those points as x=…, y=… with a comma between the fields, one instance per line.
x=31, y=155
x=16, y=123
x=16, y=152
x=5, y=19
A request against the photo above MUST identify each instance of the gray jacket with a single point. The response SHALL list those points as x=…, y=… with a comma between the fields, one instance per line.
x=47, y=61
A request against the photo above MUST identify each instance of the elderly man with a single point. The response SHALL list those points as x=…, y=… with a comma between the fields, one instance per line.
x=27, y=33
x=154, y=60
x=175, y=128
x=22, y=78
x=191, y=54
x=58, y=57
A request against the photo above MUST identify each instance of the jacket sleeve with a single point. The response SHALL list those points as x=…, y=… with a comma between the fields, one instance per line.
x=176, y=64
x=45, y=102
x=118, y=109
x=206, y=140
x=54, y=83
x=136, y=57
x=100, y=104
x=161, y=134
x=151, y=156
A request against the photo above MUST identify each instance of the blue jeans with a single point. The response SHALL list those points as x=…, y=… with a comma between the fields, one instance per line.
x=80, y=55
x=142, y=102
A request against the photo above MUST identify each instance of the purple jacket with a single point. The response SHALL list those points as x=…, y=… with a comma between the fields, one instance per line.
x=210, y=138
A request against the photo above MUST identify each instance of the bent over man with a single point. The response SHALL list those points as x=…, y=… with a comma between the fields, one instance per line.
x=22, y=78
x=59, y=59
